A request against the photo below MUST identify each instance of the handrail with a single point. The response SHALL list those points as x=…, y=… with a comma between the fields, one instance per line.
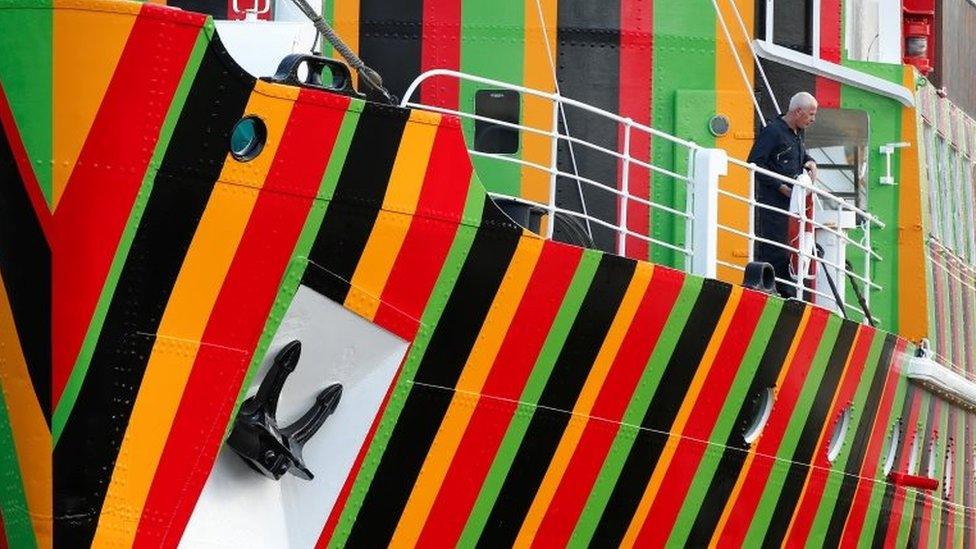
x=545, y=95
x=706, y=169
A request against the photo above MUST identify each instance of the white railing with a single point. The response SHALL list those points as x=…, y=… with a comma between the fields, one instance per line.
x=619, y=186
x=833, y=225
x=840, y=225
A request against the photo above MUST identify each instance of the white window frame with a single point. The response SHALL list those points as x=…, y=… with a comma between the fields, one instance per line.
x=814, y=26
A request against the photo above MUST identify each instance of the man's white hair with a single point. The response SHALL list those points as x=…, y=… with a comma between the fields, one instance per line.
x=802, y=100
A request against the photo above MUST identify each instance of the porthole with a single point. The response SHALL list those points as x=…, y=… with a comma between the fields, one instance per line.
x=248, y=138
x=762, y=407
x=839, y=434
x=913, y=459
x=893, y=441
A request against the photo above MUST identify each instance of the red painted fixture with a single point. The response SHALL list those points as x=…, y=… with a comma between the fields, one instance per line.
x=918, y=20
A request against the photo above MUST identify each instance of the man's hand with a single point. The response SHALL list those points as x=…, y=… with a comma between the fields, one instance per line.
x=786, y=190
x=811, y=167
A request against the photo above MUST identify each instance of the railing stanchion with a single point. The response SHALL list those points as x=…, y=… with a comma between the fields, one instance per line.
x=751, y=243
x=554, y=169
x=708, y=166
x=625, y=191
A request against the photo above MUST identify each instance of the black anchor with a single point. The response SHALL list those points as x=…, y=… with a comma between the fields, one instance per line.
x=256, y=437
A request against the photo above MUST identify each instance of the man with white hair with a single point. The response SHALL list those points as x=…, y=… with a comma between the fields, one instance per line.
x=779, y=148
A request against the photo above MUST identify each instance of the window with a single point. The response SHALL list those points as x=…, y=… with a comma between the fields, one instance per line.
x=913, y=459
x=838, y=142
x=492, y=137
x=762, y=407
x=893, y=441
x=839, y=434
x=793, y=24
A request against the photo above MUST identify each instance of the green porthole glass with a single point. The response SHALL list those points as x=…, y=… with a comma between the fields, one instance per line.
x=248, y=138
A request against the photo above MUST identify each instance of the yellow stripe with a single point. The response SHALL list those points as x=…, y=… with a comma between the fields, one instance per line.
x=537, y=112
x=732, y=99
x=80, y=78
x=584, y=404
x=744, y=472
x=345, y=21
x=469, y=385
x=181, y=328
x=32, y=440
x=681, y=420
x=827, y=427
x=393, y=221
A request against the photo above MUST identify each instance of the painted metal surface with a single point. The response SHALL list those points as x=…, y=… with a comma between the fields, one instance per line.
x=549, y=394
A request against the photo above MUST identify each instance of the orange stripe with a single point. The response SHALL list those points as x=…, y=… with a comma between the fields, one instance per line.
x=744, y=472
x=537, y=112
x=186, y=315
x=32, y=440
x=469, y=386
x=828, y=426
x=80, y=78
x=681, y=419
x=913, y=315
x=395, y=216
x=345, y=21
x=584, y=404
x=732, y=99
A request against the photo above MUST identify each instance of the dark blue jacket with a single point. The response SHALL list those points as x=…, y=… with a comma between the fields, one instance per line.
x=780, y=150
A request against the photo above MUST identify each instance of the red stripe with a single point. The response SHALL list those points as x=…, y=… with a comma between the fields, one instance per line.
x=806, y=510
x=33, y=188
x=830, y=11
x=98, y=198
x=240, y=314
x=340, y=504
x=636, y=62
x=440, y=48
x=708, y=406
x=417, y=266
x=897, y=505
x=506, y=380
x=754, y=483
x=611, y=403
x=928, y=498
x=866, y=482
x=430, y=235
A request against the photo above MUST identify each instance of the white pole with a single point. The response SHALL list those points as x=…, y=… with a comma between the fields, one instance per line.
x=554, y=151
x=709, y=165
x=625, y=191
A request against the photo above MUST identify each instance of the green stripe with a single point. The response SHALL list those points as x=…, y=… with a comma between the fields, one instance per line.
x=530, y=397
x=26, y=71
x=682, y=31
x=634, y=414
x=874, y=510
x=541, y=372
x=299, y=257
x=492, y=46
x=725, y=423
x=80, y=370
x=828, y=500
x=908, y=507
x=777, y=476
x=13, y=500
x=473, y=208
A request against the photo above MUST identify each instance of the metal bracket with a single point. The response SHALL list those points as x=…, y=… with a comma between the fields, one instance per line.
x=256, y=437
x=888, y=149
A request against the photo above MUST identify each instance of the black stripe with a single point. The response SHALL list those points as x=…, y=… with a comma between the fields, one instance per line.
x=845, y=497
x=660, y=414
x=86, y=452
x=549, y=420
x=736, y=449
x=25, y=265
x=450, y=344
x=807, y=444
x=357, y=200
x=888, y=499
x=589, y=71
x=921, y=497
x=390, y=40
